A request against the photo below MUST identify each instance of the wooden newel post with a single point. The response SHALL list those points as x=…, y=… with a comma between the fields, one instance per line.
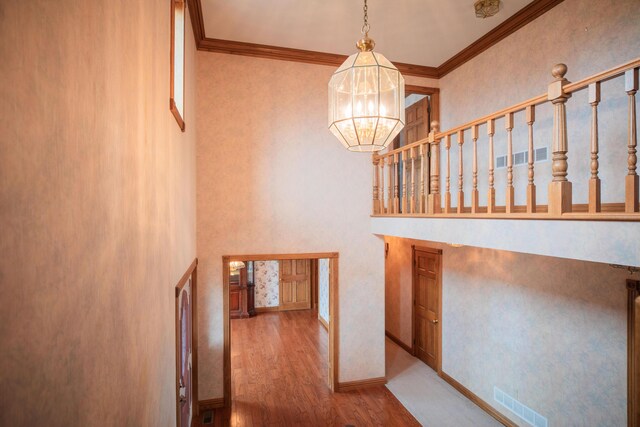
x=631, y=180
x=376, y=180
x=560, y=200
x=433, y=199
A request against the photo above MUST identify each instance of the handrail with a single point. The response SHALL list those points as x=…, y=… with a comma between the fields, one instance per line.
x=540, y=99
x=413, y=179
x=603, y=76
x=537, y=100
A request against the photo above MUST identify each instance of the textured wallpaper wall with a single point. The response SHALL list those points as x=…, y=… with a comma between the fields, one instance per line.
x=323, y=288
x=266, y=277
x=549, y=331
x=97, y=196
x=272, y=179
x=519, y=68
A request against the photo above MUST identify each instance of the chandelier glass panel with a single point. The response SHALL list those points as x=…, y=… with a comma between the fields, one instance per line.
x=366, y=99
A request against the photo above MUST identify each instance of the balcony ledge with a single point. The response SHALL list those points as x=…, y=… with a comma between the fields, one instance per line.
x=614, y=242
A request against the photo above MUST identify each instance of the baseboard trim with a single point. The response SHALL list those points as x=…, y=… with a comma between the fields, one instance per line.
x=211, y=404
x=267, y=309
x=396, y=340
x=323, y=322
x=355, y=385
x=475, y=399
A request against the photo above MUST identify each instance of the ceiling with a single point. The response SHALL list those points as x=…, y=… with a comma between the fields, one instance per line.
x=421, y=32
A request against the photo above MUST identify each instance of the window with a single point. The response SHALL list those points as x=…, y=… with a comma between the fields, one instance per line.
x=176, y=101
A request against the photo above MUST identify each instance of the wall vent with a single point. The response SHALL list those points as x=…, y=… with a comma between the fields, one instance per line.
x=522, y=157
x=522, y=411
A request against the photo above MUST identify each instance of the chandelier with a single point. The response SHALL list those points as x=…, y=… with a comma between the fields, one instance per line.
x=366, y=98
x=487, y=8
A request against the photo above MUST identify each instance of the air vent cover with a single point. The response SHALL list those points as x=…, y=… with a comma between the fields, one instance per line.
x=522, y=411
x=522, y=157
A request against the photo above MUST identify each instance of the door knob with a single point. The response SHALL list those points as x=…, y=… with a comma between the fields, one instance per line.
x=434, y=321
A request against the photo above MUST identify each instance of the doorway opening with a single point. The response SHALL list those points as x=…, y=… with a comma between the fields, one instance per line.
x=422, y=107
x=427, y=306
x=263, y=293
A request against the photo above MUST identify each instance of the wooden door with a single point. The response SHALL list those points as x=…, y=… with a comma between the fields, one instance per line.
x=184, y=350
x=295, y=284
x=417, y=121
x=416, y=125
x=426, y=306
x=416, y=128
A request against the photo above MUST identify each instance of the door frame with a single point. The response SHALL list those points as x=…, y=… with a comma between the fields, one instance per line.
x=633, y=354
x=437, y=252
x=434, y=102
x=334, y=351
x=192, y=272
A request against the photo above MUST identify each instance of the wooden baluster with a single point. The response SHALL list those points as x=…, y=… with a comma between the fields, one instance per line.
x=460, y=172
x=405, y=157
x=433, y=201
x=491, y=196
x=475, y=202
x=382, y=187
x=447, y=194
x=508, y=125
x=631, y=180
x=396, y=189
x=531, y=187
x=560, y=200
x=390, y=184
x=414, y=196
x=376, y=202
x=594, y=182
x=423, y=174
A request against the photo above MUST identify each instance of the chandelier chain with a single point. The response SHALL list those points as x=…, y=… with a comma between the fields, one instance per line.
x=365, y=27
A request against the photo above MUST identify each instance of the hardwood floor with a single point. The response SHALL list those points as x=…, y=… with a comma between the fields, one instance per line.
x=279, y=371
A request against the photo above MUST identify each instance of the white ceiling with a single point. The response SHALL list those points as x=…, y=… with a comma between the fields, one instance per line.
x=422, y=32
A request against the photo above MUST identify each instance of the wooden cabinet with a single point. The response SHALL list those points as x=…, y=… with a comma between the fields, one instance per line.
x=241, y=292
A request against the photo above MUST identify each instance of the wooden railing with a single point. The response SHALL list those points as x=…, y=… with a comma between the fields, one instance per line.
x=407, y=181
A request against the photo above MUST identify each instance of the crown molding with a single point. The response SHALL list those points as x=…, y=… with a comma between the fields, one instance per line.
x=300, y=55
x=521, y=18
x=197, y=21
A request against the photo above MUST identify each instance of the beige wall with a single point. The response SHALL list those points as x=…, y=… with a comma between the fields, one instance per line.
x=272, y=179
x=97, y=212
x=549, y=331
x=589, y=39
